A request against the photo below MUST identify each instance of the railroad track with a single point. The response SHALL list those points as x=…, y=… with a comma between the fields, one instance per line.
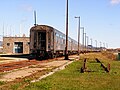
x=19, y=64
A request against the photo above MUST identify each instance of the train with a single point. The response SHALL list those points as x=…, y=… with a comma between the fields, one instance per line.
x=48, y=42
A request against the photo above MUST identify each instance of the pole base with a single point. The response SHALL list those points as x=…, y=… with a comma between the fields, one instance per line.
x=66, y=57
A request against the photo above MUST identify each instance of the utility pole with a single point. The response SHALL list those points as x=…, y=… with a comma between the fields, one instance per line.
x=91, y=44
x=107, y=45
x=85, y=42
x=66, y=48
x=35, y=18
x=96, y=44
x=78, y=34
x=3, y=29
x=104, y=46
x=100, y=46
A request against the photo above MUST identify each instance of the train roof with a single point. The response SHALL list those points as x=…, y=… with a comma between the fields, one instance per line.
x=46, y=27
x=42, y=27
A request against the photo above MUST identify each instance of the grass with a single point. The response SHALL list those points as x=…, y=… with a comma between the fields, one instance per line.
x=72, y=79
x=2, y=82
x=20, y=83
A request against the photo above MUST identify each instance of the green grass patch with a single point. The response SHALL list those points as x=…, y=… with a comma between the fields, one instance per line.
x=71, y=78
x=15, y=86
x=2, y=82
x=20, y=83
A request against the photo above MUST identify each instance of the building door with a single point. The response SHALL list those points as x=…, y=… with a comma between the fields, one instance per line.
x=18, y=47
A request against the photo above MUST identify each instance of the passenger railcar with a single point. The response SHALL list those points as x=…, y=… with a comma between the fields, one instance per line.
x=48, y=42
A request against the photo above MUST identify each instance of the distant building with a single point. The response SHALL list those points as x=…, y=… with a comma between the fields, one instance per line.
x=1, y=47
x=1, y=43
x=16, y=45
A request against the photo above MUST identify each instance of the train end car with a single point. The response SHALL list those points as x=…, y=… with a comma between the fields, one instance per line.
x=41, y=41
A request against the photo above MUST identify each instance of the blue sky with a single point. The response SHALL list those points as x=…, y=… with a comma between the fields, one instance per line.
x=100, y=18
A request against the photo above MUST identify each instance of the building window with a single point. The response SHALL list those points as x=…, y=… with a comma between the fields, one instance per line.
x=8, y=44
x=28, y=43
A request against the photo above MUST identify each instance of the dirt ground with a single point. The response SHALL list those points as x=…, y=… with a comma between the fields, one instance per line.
x=4, y=60
x=28, y=70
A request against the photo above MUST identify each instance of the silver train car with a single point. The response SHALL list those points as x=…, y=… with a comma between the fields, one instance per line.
x=47, y=42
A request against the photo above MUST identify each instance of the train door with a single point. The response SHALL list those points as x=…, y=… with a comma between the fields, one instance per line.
x=50, y=41
x=42, y=41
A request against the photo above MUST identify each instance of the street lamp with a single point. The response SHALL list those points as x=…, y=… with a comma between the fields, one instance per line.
x=66, y=47
x=83, y=37
x=78, y=34
x=87, y=42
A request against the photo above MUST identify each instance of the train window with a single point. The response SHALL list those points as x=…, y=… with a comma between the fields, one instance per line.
x=60, y=36
x=57, y=35
x=63, y=41
x=69, y=39
x=64, y=37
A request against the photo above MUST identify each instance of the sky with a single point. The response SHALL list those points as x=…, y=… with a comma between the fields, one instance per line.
x=100, y=18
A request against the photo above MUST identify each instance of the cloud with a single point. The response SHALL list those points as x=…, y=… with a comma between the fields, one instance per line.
x=114, y=2
x=28, y=8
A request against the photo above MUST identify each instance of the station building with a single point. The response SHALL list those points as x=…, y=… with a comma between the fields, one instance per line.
x=16, y=45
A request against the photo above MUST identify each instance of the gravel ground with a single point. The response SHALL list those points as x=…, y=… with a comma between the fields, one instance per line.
x=60, y=63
